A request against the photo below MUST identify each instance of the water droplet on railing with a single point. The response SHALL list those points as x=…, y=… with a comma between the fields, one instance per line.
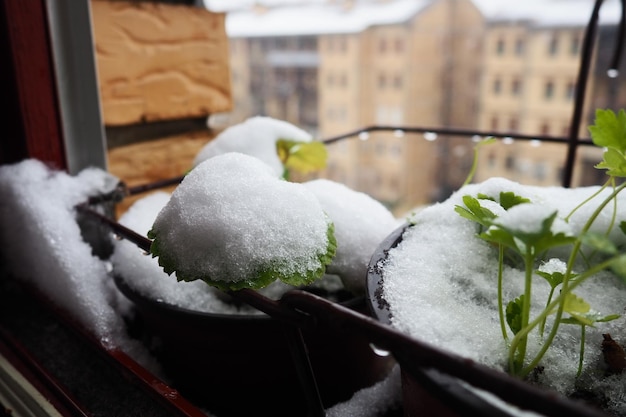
x=145, y=252
x=476, y=138
x=430, y=136
x=613, y=73
x=117, y=237
x=535, y=143
x=364, y=136
x=165, y=390
x=508, y=140
x=398, y=133
x=378, y=351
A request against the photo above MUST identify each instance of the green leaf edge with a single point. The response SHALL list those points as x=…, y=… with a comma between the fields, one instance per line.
x=264, y=276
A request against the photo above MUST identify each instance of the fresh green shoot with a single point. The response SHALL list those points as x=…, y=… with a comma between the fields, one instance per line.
x=609, y=132
x=303, y=157
x=486, y=141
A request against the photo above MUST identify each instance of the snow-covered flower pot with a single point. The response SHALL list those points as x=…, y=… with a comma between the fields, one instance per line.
x=436, y=280
x=526, y=280
x=232, y=223
x=213, y=358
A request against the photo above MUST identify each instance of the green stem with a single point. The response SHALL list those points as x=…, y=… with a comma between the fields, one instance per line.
x=594, y=195
x=565, y=287
x=557, y=303
x=500, y=302
x=472, y=172
x=542, y=327
x=582, y=350
x=517, y=350
x=522, y=336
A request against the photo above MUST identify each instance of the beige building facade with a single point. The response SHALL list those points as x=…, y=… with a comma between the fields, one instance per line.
x=445, y=64
x=529, y=87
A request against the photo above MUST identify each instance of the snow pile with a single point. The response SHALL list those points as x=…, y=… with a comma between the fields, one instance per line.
x=373, y=401
x=144, y=275
x=440, y=282
x=257, y=137
x=42, y=242
x=234, y=224
x=361, y=223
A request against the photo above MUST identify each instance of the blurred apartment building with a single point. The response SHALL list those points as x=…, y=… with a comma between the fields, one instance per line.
x=332, y=67
x=530, y=69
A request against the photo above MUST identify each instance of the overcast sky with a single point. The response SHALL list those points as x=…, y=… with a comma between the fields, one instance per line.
x=548, y=12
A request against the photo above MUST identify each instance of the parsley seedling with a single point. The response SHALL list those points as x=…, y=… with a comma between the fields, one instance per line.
x=532, y=245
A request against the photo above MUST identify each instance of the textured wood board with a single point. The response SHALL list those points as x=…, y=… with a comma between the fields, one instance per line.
x=160, y=61
x=162, y=159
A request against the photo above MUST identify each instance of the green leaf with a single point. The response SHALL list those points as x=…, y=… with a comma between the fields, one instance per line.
x=614, y=162
x=543, y=239
x=303, y=157
x=599, y=242
x=609, y=129
x=265, y=275
x=618, y=266
x=575, y=304
x=610, y=317
x=514, y=314
x=589, y=319
x=554, y=279
x=510, y=199
x=578, y=309
x=622, y=226
x=501, y=237
x=482, y=196
x=475, y=212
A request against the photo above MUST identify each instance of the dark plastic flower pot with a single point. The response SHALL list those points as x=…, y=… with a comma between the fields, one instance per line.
x=240, y=365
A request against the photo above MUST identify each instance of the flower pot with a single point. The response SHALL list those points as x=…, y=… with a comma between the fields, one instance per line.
x=426, y=391
x=240, y=365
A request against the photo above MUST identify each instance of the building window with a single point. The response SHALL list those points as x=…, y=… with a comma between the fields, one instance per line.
x=500, y=46
x=541, y=171
x=519, y=47
x=343, y=44
x=497, y=86
x=509, y=162
x=548, y=90
x=553, y=46
x=344, y=80
x=398, y=81
x=570, y=91
x=382, y=81
x=575, y=45
x=494, y=123
x=399, y=45
x=513, y=124
x=516, y=87
x=565, y=131
x=382, y=45
x=329, y=44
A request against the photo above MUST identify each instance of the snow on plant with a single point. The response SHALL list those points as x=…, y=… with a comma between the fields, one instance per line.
x=234, y=224
x=526, y=232
x=283, y=146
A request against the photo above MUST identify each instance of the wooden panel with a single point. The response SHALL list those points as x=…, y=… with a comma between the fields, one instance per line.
x=160, y=62
x=148, y=162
